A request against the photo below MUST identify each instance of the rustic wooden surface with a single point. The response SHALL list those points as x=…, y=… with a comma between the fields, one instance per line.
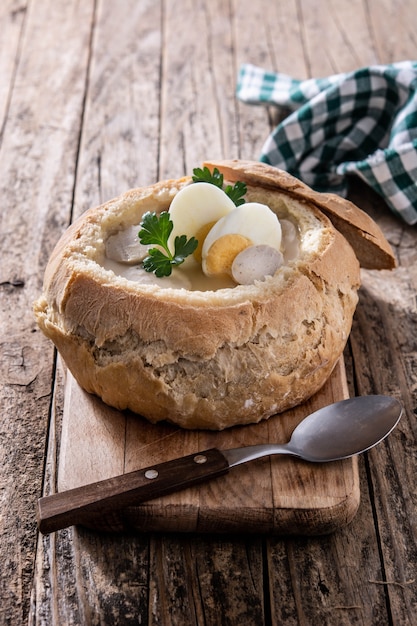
x=98, y=96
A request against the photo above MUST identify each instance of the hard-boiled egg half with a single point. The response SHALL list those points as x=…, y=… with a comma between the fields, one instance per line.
x=242, y=242
x=195, y=209
x=245, y=244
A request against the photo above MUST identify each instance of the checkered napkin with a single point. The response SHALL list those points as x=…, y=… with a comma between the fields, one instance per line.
x=363, y=122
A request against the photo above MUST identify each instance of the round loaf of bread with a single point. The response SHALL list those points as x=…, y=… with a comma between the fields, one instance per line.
x=200, y=359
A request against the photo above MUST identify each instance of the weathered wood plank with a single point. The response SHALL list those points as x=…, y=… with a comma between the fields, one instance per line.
x=119, y=147
x=384, y=343
x=392, y=28
x=257, y=50
x=323, y=591
x=336, y=38
x=199, y=581
x=12, y=19
x=197, y=83
x=37, y=160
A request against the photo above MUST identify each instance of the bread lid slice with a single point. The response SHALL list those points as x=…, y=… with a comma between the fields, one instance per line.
x=364, y=235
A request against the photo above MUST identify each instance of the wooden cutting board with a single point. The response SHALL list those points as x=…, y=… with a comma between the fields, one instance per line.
x=272, y=495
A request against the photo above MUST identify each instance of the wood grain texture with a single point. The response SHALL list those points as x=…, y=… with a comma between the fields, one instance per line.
x=98, y=96
x=12, y=19
x=121, y=118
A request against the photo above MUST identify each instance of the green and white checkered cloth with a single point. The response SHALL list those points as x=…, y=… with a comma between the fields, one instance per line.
x=363, y=122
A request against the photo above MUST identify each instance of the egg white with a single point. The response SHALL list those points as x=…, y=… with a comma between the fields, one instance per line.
x=195, y=206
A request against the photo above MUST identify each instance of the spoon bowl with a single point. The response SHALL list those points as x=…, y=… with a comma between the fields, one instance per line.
x=346, y=428
x=334, y=432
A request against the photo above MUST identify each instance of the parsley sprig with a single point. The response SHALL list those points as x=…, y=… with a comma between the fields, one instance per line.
x=235, y=192
x=156, y=229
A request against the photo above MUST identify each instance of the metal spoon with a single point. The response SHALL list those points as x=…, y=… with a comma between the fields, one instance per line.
x=337, y=431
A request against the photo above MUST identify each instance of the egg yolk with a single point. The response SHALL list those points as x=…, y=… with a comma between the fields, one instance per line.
x=200, y=235
x=222, y=253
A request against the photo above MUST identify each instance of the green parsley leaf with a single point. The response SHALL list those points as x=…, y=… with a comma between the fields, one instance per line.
x=205, y=176
x=183, y=248
x=235, y=193
x=156, y=230
x=158, y=263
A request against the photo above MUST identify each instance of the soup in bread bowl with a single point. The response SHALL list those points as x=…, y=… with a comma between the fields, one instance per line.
x=242, y=318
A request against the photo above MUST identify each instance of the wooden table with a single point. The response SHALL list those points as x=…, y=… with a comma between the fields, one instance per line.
x=99, y=96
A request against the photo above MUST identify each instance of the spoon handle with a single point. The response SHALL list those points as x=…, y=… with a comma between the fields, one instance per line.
x=93, y=501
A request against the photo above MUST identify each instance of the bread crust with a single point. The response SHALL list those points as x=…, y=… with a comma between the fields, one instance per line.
x=199, y=359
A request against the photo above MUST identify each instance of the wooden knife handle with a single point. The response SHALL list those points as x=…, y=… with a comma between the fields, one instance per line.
x=82, y=504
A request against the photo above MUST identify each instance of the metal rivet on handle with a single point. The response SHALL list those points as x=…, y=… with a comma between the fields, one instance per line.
x=200, y=458
x=152, y=473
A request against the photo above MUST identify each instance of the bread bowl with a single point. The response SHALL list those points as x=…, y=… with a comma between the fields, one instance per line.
x=205, y=358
